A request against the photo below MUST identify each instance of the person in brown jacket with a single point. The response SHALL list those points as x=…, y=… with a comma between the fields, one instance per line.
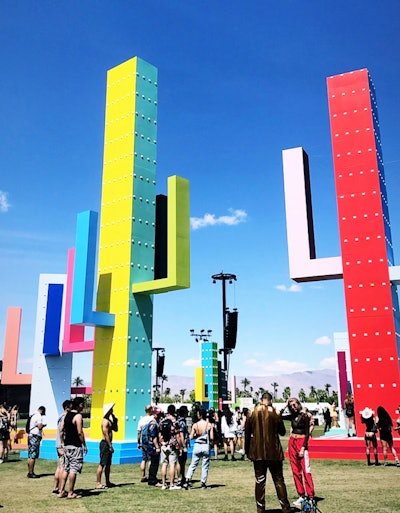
x=263, y=447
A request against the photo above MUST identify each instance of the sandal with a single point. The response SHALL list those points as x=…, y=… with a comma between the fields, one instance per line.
x=101, y=487
x=74, y=496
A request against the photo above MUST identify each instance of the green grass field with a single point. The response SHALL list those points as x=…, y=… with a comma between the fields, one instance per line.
x=342, y=486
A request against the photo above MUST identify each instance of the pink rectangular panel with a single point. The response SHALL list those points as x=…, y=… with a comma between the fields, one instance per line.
x=10, y=375
x=74, y=335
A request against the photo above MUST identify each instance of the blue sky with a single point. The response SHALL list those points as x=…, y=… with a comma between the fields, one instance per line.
x=238, y=83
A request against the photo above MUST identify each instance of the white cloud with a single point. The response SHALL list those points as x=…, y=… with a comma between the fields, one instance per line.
x=328, y=363
x=236, y=217
x=192, y=362
x=276, y=367
x=295, y=287
x=323, y=341
x=4, y=204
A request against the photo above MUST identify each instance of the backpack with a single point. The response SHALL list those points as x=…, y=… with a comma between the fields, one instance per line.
x=309, y=505
x=144, y=435
x=166, y=429
x=3, y=423
x=28, y=424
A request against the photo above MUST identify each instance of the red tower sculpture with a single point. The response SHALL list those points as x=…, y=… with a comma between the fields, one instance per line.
x=366, y=263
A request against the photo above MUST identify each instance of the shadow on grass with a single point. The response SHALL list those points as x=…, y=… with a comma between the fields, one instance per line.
x=114, y=485
x=91, y=492
x=209, y=487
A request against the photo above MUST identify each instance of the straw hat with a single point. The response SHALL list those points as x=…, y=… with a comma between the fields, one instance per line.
x=107, y=407
x=367, y=413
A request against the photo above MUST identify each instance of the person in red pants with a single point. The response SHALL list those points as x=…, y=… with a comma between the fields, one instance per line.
x=298, y=452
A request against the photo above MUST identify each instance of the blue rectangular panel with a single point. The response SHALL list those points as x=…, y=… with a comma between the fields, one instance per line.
x=51, y=339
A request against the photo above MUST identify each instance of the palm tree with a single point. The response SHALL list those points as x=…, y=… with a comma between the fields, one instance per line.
x=327, y=387
x=163, y=378
x=302, y=395
x=275, y=385
x=286, y=393
x=167, y=392
x=78, y=381
x=245, y=382
x=260, y=393
x=313, y=392
x=182, y=391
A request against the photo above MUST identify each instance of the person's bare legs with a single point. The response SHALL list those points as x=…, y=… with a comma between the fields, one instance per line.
x=172, y=474
x=385, y=451
x=232, y=447
x=164, y=474
x=71, y=484
x=99, y=473
x=31, y=465
x=57, y=476
x=143, y=469
x=396, y=458
x=62, y=482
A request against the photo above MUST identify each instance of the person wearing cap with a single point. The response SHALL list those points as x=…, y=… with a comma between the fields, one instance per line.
x=73, y=439
x=108, y=425
x=367, y=418
x=143, y=422
x=35, y=434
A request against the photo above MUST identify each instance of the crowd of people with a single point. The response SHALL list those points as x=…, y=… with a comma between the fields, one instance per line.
x=164, y=440
x=381, y=424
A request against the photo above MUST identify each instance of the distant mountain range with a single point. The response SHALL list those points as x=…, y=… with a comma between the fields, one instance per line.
x=296, y=381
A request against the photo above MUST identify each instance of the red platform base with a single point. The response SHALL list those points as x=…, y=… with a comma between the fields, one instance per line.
x=339, y=447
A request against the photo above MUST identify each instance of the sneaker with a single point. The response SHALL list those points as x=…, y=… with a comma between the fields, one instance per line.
x=225, y=458
x=385, y=463
x=397, y=463
x=186, y=485
x=32, y=476
x=204, y=486
x=233, y=458
x=298, y=502
x=144, y=479
x=164, y=487
x=158, y=485
x=175, y=487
